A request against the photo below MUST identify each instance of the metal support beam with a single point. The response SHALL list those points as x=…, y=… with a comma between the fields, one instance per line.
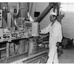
x=44, y=13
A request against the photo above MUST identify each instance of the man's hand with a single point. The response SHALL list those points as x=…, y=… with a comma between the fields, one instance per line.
x=41, y=32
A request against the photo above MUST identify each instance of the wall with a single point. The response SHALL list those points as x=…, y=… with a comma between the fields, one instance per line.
x=41, y=7
x=67, y=22
x=21, y=6
x=68, y=25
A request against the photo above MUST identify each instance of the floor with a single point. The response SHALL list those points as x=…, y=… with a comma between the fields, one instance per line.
x=67, y=56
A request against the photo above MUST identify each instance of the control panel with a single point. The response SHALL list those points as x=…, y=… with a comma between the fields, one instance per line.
x=32, y=28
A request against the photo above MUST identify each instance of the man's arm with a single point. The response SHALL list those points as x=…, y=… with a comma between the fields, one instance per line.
x=60, y=34
x=46, y=30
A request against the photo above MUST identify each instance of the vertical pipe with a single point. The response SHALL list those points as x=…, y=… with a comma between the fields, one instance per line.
x=7, y=50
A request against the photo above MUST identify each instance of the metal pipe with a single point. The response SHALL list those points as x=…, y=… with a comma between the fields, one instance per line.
x=44, y=13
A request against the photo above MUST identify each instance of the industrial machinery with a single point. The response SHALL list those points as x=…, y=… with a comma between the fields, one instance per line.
x=22, y=42
x=14, y=44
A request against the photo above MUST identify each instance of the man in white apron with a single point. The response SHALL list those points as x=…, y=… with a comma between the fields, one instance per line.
x=54, y=28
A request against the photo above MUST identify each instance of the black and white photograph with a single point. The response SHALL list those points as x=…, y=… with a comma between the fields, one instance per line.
x=36, y=32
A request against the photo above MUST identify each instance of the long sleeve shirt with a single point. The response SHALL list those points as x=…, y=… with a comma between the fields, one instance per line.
x=46, y=29
x=55, y=31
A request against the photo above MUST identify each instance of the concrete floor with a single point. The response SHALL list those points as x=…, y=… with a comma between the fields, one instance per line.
x=67, y=56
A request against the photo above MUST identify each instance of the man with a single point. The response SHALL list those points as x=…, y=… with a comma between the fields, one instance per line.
x=54, y=28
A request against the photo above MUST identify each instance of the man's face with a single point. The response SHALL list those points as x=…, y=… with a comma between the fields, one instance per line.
x=52, y=18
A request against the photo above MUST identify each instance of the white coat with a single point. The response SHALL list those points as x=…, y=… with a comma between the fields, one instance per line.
x=54, y=37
